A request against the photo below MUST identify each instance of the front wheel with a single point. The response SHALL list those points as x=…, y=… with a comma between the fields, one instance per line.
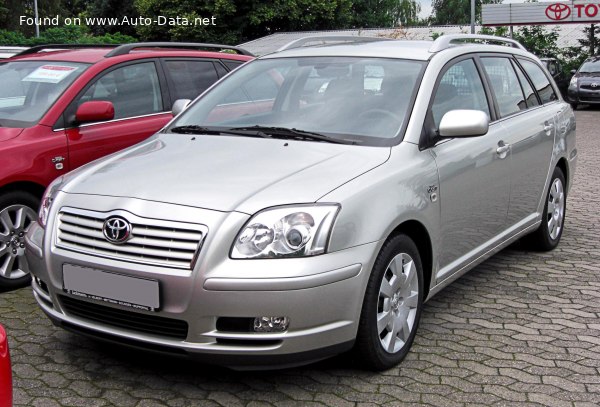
x=17, y=212
x=547, y=236
x=392, y=305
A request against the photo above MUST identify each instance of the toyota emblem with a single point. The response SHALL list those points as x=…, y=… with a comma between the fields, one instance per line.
x=558, y=11
x=116, y=229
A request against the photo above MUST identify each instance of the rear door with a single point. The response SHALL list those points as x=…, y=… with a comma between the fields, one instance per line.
x=188, y=78
x=529, y=117
x=141, y=103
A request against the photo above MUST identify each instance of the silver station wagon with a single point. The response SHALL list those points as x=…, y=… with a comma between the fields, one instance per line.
x=310, y=202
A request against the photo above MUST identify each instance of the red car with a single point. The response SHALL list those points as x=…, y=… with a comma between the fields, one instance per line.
x=63, y=106
x=5, y=371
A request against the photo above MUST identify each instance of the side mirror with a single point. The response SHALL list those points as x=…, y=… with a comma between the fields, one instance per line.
x=179, y=106
x=464, y=123
x=95, y=111
x=573, y=71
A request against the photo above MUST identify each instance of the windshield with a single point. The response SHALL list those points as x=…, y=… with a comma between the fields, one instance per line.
x=345, y=99
x=29, y=88
x=590, y=66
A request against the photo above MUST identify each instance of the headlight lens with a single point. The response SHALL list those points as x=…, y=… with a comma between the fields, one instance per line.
x=290, y=231
x=47, y=200
x=573, y=82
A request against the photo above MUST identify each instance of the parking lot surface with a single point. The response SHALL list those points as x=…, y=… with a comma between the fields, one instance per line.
x=521, y=329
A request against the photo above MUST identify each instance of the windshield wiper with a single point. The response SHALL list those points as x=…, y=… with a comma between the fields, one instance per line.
x=211, y=131
x=294, y=134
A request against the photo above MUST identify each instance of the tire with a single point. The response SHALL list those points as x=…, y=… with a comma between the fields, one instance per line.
x=18, y=209
x=547, y=236
x=574, y=106
x=395, y=297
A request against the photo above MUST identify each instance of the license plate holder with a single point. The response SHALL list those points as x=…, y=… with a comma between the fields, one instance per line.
x=112, y=288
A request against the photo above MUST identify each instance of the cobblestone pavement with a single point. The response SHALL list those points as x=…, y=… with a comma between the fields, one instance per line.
x=522, y=329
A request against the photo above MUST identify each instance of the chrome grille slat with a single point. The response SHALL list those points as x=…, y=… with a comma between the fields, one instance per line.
x=152, y=241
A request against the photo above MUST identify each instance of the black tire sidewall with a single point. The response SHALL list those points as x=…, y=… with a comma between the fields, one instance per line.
x=368, y=344
x=17, y=198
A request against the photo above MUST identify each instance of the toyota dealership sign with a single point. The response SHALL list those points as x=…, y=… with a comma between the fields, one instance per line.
x=546, y=12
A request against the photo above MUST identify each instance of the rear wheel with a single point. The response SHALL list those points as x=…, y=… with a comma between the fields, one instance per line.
x=547, y=236
x=17, y=212
x=392, y=305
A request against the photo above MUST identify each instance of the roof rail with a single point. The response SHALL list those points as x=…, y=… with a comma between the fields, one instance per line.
x=446, y=41
x=127, y=48
x=40, y=48
x=331, y=38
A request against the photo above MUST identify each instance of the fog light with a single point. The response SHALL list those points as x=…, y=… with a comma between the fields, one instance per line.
x=271, y=324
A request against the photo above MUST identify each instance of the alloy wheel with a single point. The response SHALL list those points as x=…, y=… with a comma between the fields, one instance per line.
x=398, y=303
x=14, y=222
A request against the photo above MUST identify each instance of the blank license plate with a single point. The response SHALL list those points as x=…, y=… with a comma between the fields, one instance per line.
x=113, y=288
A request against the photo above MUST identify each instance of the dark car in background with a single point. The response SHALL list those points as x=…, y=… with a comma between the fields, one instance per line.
x=584, y=87
x=62, y=106
x=555, y=69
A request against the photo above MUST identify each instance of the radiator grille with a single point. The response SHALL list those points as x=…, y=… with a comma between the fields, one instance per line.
x=142, y=323
x=150, y=243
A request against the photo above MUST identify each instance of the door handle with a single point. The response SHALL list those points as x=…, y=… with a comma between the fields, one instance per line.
x=548, y=128
x=502, y=149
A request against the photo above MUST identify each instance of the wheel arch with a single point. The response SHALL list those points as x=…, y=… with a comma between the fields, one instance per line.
x=564, y=167
x=418, y=234
x=33, y=188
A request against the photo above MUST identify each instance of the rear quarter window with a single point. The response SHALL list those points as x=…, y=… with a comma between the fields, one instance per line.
x=540, y=81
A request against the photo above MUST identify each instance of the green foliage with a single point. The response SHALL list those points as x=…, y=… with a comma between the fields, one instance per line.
x=538, y=40
x=456, y=12
x=63, y=35
x=111, y=8
x=590, y=38
x=384, y=13
x=12, y=38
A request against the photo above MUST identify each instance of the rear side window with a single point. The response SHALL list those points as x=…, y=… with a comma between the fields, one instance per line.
x=460, y=88
x=134, y=90
x=540, y=81
x=530, y=96
x=188, y=79
x=505, y=85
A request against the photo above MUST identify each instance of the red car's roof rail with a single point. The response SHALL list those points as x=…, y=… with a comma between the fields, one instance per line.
x=48, y=47
x=127, y=48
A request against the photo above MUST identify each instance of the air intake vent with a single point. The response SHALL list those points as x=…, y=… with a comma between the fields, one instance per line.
x=142, y=323
x=153, y=242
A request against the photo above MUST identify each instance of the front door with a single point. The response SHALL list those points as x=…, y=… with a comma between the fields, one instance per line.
x=474, y=181
x=135, y=91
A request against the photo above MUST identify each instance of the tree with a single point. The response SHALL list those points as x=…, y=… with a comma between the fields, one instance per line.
x=384, y=13
x=112, y=8
x=10, y=10
x=589, y=38
x=242, y=20
x=453, y=12
x=538, y=40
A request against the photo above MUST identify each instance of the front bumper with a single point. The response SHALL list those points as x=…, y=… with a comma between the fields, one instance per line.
x=321, y=296
x=583, y=96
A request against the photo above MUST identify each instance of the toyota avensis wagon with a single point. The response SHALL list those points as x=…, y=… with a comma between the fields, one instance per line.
x=310, y=202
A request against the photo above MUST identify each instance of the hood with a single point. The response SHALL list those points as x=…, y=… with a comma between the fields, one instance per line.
x=6, y=133
x=226, y=173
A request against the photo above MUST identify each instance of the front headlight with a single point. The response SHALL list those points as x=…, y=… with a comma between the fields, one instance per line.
x=573, y=82
x=286, y=231
x=47, y=200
